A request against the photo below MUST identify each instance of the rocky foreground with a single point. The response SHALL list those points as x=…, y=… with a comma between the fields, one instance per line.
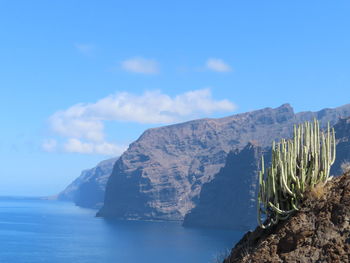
x=319, y=232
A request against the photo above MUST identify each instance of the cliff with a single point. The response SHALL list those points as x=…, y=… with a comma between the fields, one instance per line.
x=342, y=134
x=161, y=175
x=229, y=200
x=232, y=193
x=319, y=232
x=88, y=189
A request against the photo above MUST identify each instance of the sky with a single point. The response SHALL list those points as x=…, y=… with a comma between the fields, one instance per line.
x=80, y=80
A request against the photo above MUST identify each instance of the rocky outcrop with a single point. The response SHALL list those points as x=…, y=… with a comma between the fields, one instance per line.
x=89, y=188
x=161, y=175
x=229, y=200
x=319, y=232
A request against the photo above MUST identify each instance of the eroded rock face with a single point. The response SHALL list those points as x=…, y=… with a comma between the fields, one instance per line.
x=88, y=189
x=229, y=200
x=161, y=175
x=342, y=134
x=320, y=232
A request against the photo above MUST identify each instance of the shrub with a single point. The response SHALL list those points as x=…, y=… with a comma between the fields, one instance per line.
x=345, y=166
x=317, y=191
x=221, y=256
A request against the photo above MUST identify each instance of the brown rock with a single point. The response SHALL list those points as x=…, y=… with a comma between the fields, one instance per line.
x=319, y=232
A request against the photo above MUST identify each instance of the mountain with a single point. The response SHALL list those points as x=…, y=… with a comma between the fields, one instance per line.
x=161, y=175
x=319, y=232
x=89, y=188
x=232, y=193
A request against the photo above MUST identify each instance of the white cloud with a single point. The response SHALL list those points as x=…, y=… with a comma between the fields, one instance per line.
x=75, y=122
x=85, y=49
x=49, y=145
x=75, y=145
x=217, y=65
x=105, y=148
x=109, y=148
x=85, y=120
x=83, y=123
x=140, y=65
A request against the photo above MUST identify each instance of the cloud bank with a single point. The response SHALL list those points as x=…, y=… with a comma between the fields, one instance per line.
x=83, y=124
x=74, y=145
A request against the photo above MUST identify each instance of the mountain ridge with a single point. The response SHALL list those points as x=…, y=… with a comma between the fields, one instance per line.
x=161, y=174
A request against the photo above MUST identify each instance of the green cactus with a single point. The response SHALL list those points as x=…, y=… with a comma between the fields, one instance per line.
x=297, y=165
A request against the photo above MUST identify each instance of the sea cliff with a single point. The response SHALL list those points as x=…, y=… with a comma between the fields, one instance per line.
x=161, y=175
x=88, y=190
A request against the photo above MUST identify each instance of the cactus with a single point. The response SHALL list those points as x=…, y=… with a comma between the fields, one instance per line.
x=297, y=165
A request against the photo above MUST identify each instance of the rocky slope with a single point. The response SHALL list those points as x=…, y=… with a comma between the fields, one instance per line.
x=89, y=188
x=320, y=232
x=161, y=175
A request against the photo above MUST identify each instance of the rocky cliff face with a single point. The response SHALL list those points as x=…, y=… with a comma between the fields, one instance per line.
x=342, y=134
x=229, y=200
x=320, y=232
x=161, y=175
x=89, y=188
x=232, y=193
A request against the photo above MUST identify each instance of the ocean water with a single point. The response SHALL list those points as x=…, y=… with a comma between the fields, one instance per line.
x=53, y=231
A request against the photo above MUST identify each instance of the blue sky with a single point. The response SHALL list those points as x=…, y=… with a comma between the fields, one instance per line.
x=80, y=80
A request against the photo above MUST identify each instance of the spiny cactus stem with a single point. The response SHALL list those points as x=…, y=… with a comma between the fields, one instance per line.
x=296, y=165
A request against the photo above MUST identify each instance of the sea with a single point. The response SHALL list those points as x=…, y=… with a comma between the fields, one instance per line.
x=53, y=231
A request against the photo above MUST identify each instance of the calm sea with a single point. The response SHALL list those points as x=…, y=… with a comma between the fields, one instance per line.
x=52, y=231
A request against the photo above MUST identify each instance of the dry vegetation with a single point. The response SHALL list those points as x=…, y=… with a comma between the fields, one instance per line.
x=317, y=192
x=345, y=166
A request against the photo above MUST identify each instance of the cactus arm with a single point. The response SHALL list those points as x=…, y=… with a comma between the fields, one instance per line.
x=296, y=165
